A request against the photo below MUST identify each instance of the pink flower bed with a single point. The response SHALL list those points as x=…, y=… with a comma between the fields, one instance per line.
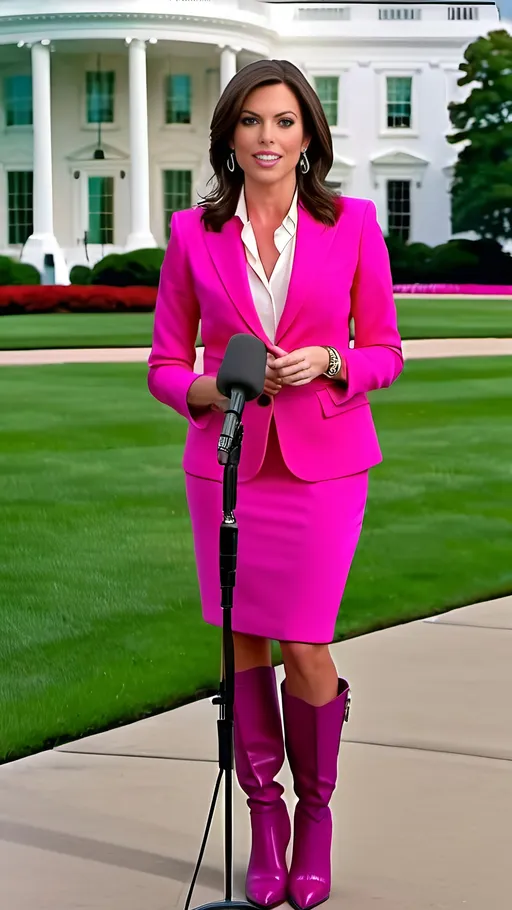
x=479, y=289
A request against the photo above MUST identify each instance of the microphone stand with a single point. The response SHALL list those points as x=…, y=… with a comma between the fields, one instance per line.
x=226, y=698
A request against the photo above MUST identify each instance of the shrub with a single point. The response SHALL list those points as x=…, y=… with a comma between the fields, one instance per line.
x=454, y=262
x=17, y=273
x=80, y=274
x=75, y=299
x=135, y=269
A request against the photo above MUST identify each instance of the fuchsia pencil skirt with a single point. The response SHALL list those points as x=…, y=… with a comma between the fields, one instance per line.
x=296, y=543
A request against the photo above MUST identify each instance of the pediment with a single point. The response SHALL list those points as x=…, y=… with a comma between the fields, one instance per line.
x=339, y=161
x=399, y=158
x=87, y=153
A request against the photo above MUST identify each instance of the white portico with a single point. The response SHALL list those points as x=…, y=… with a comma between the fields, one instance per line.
x=105, y=108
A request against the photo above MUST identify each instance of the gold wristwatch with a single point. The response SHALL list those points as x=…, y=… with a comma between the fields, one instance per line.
x=334, y=362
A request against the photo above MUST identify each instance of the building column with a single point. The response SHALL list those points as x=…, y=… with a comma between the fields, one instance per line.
x=140, y=236
x=227, y=66
x=41, y=248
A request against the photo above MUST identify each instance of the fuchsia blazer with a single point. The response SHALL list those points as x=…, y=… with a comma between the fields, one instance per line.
x=325, y=430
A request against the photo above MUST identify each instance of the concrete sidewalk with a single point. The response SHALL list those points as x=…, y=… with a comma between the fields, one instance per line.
x=422, y=809
x=413, y=350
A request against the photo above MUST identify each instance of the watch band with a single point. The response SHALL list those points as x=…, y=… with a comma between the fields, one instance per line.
x=334, y=362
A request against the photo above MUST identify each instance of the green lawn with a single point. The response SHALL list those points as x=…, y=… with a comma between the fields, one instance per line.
x=421, y=318
x=99, y=605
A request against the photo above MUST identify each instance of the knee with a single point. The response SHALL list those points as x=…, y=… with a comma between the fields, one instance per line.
x=305, y=660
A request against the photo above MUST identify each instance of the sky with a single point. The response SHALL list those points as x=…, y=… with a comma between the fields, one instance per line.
x=505, y=8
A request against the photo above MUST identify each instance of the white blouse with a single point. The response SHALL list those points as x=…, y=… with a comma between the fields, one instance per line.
x=269, y=296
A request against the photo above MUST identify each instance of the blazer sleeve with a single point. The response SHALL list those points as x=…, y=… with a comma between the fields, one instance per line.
x=176, y=323
x=376, y=359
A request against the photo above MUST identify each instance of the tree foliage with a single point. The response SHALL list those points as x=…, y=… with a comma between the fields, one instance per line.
x=482, y=186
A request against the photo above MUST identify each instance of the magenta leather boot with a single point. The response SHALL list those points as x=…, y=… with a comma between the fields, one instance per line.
x=259, y=756
x=313, y=738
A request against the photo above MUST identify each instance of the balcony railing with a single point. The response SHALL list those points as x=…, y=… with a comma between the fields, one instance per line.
x=322, y=13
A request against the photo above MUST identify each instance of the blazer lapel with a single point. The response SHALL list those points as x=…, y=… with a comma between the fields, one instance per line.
x=227, y=252
x=311, y=247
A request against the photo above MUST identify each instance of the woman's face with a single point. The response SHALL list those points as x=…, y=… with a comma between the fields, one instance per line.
x=269, y=136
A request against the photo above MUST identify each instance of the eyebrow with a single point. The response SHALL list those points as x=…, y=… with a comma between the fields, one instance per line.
x=254, y=114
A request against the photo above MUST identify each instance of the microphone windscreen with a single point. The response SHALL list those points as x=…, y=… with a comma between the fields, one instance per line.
x=244, y=365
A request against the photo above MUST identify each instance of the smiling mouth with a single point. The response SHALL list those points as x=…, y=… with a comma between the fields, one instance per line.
x=264, y=157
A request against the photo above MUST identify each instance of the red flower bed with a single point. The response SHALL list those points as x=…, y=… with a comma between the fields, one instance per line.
x=75, y=299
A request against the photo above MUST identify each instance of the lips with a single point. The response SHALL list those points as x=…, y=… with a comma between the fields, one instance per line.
x=267, y=157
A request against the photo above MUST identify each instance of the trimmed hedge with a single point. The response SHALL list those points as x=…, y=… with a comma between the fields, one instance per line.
x=75, y=299
x=18, y=273
x=137, y=268
x=80, y=274
x=455, y=262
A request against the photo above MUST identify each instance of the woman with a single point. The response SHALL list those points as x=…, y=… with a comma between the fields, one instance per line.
x=273, y=252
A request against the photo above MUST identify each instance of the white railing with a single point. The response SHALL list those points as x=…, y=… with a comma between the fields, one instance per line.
x=462, y=13
x=395, y=13
x=323, y=13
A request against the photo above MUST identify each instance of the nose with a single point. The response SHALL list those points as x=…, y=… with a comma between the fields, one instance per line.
x=266, y=134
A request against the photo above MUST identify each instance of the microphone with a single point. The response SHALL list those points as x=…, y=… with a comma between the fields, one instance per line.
x=241, y=378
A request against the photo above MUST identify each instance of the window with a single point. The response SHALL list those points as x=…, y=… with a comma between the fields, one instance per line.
x=462, y=12
x=101, y=210
x=178, y=99
x=399, y=102
x=18, y=100
x=20, y=205
x=399, y=208
x=177, y=193
x=100, y=87
x=327, y=91
x=399, y=12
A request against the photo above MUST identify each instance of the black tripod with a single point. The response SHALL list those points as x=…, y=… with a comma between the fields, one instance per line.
x=226, y=697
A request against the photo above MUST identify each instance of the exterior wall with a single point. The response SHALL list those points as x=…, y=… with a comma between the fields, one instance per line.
x=358, y=47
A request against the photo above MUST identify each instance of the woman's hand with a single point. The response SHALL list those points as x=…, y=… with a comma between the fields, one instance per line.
x=273, y=384
x=301, y=366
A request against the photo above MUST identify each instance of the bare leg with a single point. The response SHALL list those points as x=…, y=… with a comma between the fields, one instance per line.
x=310, y=672
x=251, y=651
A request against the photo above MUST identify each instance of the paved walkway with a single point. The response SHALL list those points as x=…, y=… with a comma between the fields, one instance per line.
x=441, y=347
x=422, y=810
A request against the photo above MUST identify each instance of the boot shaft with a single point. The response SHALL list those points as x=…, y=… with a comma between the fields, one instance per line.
x=313, y=736
x=258, y=736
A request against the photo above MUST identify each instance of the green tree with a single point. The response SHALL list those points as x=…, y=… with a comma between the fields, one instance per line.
x=482, y=186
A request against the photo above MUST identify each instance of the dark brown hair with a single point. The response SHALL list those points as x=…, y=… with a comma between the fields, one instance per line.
x=220, y=204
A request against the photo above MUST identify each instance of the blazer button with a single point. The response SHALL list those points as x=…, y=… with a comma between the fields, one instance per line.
x=264, y=400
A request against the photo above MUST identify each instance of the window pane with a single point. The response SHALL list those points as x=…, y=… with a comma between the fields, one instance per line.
x=20, y=205
x=100, y=88
x=399, y=208
x=399, y=102
x=327, y=91
x=101, y=210
x=18, y=100
x=177, y=193
x=178, y=99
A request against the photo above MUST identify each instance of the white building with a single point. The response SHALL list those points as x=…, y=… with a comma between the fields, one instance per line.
x=105, y=108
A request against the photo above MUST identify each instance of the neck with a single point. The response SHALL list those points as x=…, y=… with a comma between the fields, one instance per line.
x=269, y=204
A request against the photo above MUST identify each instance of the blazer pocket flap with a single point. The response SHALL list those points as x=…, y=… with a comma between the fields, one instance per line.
x=334, y=400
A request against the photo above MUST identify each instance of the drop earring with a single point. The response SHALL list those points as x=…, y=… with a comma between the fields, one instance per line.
x=230, y=164
x=304, y=163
